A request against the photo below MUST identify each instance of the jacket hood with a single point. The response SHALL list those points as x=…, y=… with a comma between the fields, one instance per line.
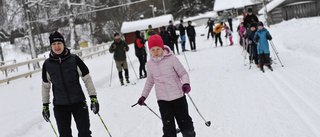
x=166, y=53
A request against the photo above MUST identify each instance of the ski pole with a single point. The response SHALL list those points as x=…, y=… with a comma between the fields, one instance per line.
x=133, y=67
x=104, y=125
x=111, y=73
x=208, y=123
x=53, y=127
x=273, y=47
x=186, y=60
x=177, y=130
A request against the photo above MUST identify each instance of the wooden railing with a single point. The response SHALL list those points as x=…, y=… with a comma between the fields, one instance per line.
x=6, y=68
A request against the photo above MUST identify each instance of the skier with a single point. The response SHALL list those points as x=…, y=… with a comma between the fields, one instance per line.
x=150, y=32
x=62, y=70
x=140, y=51
x=261, y=37
x=250, y=18
x=164, y=35
x=210, y=24
x=191, y=32
x=217, y=31
x=229, y=34
x=253, y=45
x=242, y=32
x=182, y=30
x=119, y=48
x=230, y=20
x=171, y=82
x=173, y=36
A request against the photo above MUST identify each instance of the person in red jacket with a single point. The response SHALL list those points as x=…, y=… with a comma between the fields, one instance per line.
x=140, y=51
x=171, y=82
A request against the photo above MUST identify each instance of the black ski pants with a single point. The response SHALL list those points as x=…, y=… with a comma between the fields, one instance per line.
x=142, y=61
x=176, y=109
x=192, y=40
x=210, y=31
x=80, y=113
x=173, y=42
x=218, y=36
x=264, y=59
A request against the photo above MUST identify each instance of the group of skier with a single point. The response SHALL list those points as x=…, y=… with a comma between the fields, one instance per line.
x=254, y=38
x=164, y=71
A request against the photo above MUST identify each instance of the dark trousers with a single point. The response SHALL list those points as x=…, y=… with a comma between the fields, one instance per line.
x=192, y=40
x=210, y=31
x=174, y=42
x=80, y=114
x=230, y=24
x=176, y=109
x=142, y=67
x=126, y=74
x=253, y=55
x=218, y=35
x=264, y=58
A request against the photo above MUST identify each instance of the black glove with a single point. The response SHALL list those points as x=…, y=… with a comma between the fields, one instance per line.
x=45, y=112
x=94, y=104
x=256, y=40
x=269, y=37
x=113, y=46
x=126, y=48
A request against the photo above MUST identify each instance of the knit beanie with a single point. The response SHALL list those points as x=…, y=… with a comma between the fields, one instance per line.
x=260, y=24
x=116, y=34
x=250, y=10
x=56, y=36
x=155, y=41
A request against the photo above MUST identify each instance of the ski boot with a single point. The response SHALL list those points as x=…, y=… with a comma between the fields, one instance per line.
x=127, y=80
x=269, y=66
x=261, y=68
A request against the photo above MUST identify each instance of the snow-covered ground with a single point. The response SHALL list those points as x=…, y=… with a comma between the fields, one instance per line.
x=239, y=102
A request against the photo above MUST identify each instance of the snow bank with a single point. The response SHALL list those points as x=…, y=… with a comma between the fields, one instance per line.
x=229, y=4
x=271, y=6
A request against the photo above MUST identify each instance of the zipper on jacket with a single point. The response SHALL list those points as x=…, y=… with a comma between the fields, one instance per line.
x=64, y=84
x=163, y=81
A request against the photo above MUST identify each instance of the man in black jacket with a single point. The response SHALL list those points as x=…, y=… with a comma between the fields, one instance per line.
x=210, y=24
x=141, y=53
x=191, y=32
x=62, y=70
x=250, y=18
x=173, y=36
x=182, y=30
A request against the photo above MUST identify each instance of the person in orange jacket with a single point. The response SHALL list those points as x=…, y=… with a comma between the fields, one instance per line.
x=217, y=31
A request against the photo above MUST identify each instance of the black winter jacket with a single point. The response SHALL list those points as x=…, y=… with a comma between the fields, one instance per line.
x=182, y=30
x=140, y=51
x=191, y=32
x=64, y=77
x=249, y=19
x=172, y=32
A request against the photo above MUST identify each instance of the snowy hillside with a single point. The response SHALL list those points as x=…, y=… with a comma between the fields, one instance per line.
x=239, y=102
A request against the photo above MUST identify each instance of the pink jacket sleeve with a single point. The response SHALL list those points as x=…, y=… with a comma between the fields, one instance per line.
x=149, y=84
x=182, y=73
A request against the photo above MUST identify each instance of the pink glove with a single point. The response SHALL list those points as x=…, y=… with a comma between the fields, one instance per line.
x=141, y=100
x=186, y=88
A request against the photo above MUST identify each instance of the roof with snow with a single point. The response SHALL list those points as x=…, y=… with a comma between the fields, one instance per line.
x=156, y=22
x=270, y=6
x=220, y=5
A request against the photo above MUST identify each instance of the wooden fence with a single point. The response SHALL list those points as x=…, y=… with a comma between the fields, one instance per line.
x=6, y=68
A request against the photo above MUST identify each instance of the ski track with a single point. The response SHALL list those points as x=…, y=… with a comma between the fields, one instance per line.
x=297, y=100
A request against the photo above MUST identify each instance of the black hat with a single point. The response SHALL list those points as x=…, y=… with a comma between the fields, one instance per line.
x=150, y=26
x=181, y=21
x=116, y=34
x=170, y=21
x=56, y=36
x=260, y=24
x=137, y=33
x=250, y=10
x=189, y=21
x=221, y=23
x=253, y=24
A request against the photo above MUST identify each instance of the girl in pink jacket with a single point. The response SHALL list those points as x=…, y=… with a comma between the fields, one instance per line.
x=171, y=81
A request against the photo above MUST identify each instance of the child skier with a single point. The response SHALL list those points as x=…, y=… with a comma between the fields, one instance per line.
x=171, y=82
x=217, y=31
x=229, y=34
x=261, y=37
x=253, y=45
x=242, y=31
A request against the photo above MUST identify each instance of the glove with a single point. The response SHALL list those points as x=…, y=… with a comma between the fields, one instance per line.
x=256, y=40
x=141, y=100
x=94, y=104
x=45, y=112
x=269, y=37
x=186, y=88
x=250, y=42
x=126, y=48
x=113, y=46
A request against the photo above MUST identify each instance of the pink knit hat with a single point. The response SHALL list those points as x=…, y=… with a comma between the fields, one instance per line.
x=155, y=41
